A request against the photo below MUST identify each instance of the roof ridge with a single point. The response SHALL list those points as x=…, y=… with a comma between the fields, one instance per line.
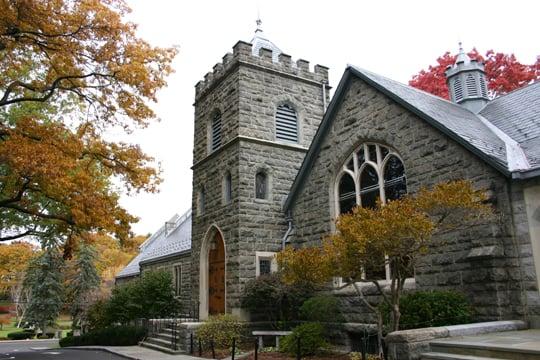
x=412, y=88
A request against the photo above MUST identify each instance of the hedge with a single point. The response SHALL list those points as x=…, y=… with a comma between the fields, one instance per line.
x=110, y=336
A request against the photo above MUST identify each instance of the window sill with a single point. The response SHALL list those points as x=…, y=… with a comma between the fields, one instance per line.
x=369, y=288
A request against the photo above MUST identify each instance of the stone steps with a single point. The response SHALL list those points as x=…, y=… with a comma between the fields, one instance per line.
x=164, y=349
x=446, y=356
x=485, y=350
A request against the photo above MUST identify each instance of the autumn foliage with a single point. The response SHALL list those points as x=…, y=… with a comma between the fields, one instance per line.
x=397, y=234
x=70, y=71
x=504, y=73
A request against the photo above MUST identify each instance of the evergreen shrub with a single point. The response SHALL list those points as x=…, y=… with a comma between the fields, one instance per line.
x=321, y=308
x=21, y=335
x=431, y=308
x=312, y=340
x=221, y=329
x=268, y=298
x=108, y=336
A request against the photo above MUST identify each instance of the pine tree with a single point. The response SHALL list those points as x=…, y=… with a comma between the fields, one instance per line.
x=83, y=283
x=45, y=284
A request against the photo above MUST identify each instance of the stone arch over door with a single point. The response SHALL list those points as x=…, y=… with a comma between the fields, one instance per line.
x=212, y=271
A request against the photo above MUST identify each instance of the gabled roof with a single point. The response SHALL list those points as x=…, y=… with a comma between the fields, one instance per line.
x=479, y=134
x=173, y=238
x=517, y=114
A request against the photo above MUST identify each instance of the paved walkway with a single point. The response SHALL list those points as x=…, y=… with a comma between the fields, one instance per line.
x=137, y=353
x=527, y=340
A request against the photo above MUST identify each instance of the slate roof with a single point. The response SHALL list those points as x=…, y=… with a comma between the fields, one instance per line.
x=174, y=237
x=518, y=115
x=506, y=123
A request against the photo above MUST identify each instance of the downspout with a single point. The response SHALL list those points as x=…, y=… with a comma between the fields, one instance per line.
x=289, y=230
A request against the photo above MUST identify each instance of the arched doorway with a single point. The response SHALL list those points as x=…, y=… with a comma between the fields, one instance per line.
x=212, y=270
x=216, y=276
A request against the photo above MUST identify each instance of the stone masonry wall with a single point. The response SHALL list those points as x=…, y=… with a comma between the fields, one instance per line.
x=168, y=265
x=482, y=261
x=247, y=89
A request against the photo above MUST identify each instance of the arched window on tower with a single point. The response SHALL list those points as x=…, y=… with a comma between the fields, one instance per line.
x=286, y=123
x=472, y=90
x=261, y=185
x=227, y=188
x=201, y=201
x=216, y=131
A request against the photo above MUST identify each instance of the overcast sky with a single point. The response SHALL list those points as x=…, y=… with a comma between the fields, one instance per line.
x=392, y=38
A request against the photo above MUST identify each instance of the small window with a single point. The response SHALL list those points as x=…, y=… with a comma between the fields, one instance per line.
x=286, y=123
x=227, y=188
x=216, y=131
x=265, y=266
x=177, y=277
x=201, y=201
x=261, y=185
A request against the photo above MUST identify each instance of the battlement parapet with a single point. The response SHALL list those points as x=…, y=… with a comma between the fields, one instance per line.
x=243, y=53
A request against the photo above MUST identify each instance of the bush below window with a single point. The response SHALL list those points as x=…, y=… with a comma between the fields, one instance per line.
x=221, y=329
x=432, y=308
x=267, y=298
x=311, y=337
x=109, y=336
x=321, y=308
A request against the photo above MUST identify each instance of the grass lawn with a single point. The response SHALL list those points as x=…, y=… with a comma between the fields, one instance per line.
x=9, y=328
x=63, y=321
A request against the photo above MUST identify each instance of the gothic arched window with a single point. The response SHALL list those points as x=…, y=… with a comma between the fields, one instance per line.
x=372, y=173
x=286, y=123
x=261, y=185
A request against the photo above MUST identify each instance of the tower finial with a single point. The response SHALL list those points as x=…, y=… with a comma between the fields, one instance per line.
x=259, y=23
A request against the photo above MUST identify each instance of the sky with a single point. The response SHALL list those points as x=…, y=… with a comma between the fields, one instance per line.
x=393, y=38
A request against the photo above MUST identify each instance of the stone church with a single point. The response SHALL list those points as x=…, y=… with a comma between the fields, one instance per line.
x=275, y=161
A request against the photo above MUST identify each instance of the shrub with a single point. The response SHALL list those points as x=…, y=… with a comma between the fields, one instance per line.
x=311, y=340
x=221, y=329
x=20, y=335
x=432, y=308
x=97, y=315
x=321, y=308
x=151, y=296
x=269, y=299
x=109, y=336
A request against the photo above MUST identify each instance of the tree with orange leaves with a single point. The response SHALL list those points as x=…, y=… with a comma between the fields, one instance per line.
x=70, y=71
x=504, y=73
x=400, y=232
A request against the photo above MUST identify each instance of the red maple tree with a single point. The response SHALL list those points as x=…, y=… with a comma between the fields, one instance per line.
x=503, y=72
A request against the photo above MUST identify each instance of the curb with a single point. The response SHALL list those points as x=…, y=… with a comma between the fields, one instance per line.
x=101, y=349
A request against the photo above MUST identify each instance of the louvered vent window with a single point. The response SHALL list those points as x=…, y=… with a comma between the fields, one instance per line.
x=216, y=131
x=483, y=86
x=458, y=90
x=286, y=123
x=472, y=90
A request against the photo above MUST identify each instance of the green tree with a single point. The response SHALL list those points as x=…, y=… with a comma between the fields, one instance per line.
x=151, y=296
x=83, y=284
x=45, y=283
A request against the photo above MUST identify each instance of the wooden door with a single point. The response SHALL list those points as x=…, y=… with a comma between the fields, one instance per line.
x=216, y=277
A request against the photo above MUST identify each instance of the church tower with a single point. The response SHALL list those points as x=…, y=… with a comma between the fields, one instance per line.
x=255, y=116
x=466, y=81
